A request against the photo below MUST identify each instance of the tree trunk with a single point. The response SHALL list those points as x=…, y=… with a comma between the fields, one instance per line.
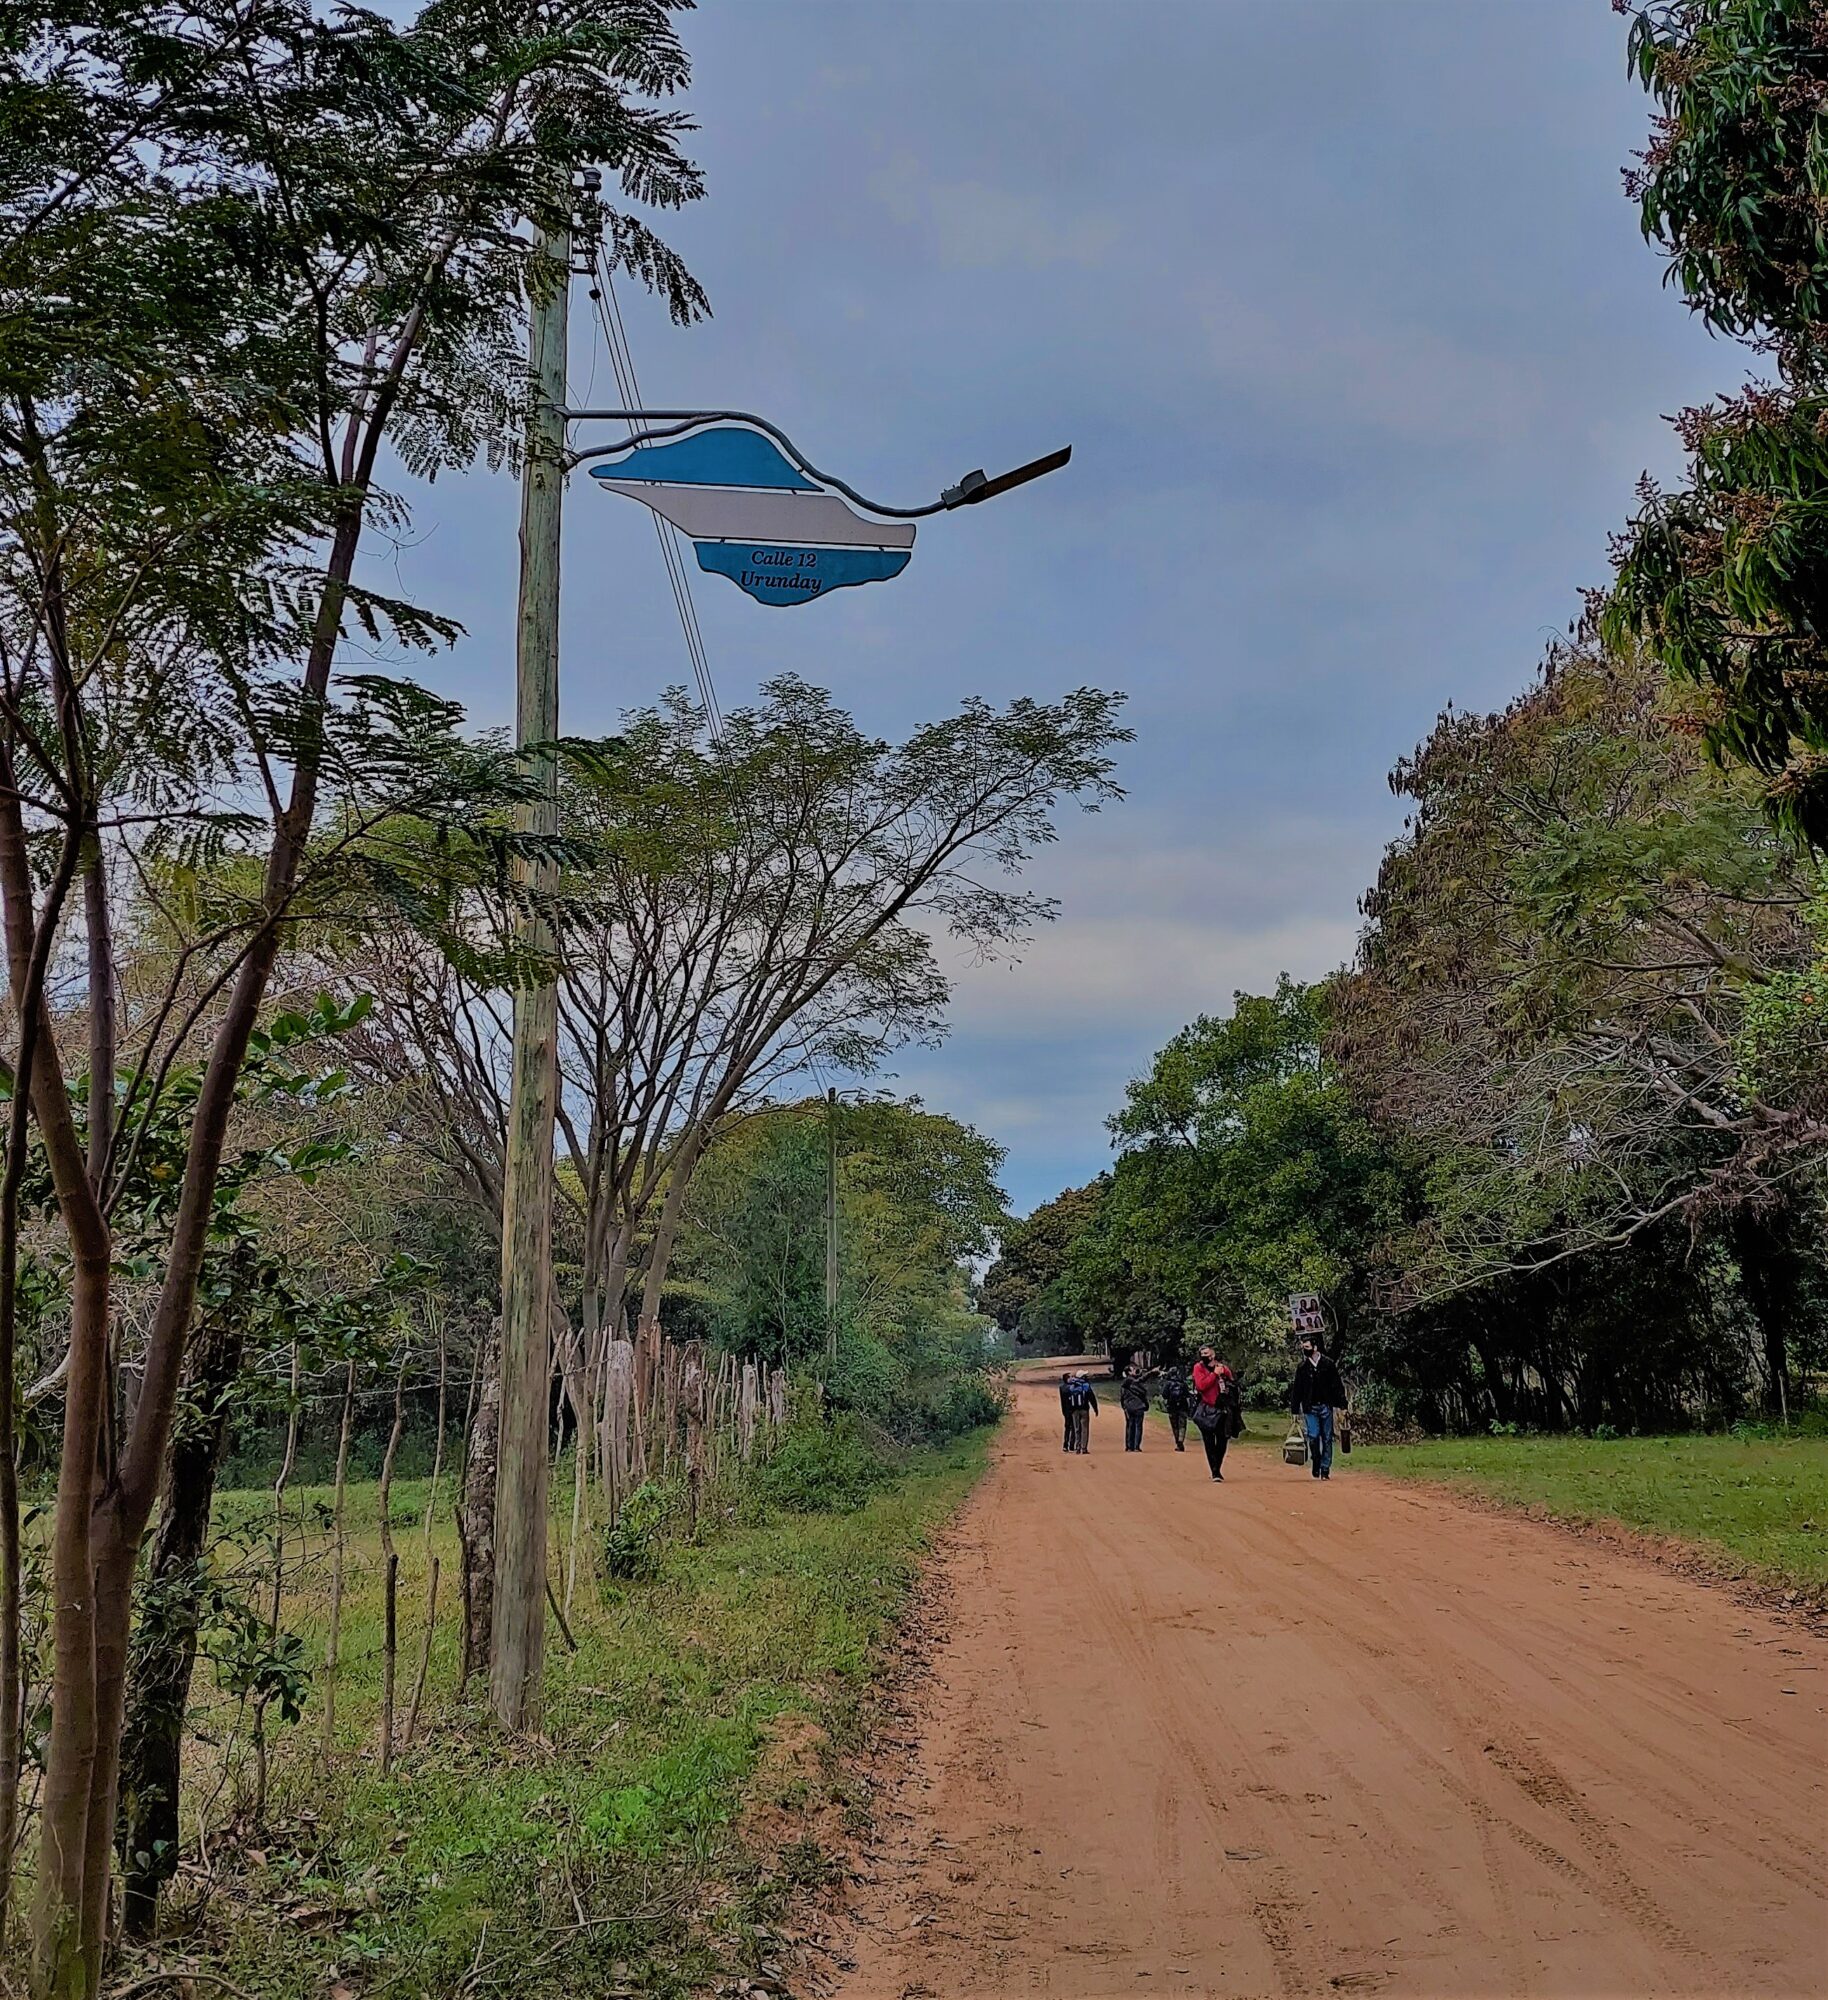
x=478, y=1515
x=165, y=1644
x=63, y=1942
x=1769, y=1274
x=666, y=1233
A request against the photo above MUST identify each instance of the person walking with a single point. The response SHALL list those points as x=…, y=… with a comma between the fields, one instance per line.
x=1134, y=1398
x=1316, y=1396
x=1084, y=1408
x=1215, y=1391
x=1066, y=1410
x=1177, y=1394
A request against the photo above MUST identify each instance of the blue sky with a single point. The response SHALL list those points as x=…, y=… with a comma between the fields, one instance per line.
x=1360, y=353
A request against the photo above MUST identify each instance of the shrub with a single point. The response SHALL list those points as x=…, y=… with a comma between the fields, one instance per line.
x=866, y=1377
x=635, y=1539
x=823, y=1466
x=966, y=1403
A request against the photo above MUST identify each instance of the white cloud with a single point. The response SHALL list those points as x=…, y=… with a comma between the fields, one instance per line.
x=978, y=227
x=1150, y=934
x=1130, y=971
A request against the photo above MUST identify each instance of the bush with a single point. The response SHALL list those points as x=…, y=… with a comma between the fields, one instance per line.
x=823, y=1466
x=866, y=1377
x=1810, y=1420
x=966, y=1403
x=636, y=1538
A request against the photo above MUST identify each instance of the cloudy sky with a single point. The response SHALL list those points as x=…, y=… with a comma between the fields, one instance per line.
x=1360, y=354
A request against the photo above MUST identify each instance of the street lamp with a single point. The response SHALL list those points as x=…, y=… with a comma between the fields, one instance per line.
x=757, y=510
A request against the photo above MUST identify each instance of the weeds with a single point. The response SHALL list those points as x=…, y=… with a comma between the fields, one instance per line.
x=581, y=1866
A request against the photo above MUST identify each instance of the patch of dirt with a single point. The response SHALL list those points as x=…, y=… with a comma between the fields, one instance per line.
x=1710, y=1568
x=791, y=1795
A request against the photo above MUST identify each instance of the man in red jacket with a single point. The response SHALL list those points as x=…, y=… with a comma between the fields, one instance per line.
x=1215, y=1391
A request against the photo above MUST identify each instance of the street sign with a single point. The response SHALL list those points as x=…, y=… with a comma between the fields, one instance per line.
x=755, y=517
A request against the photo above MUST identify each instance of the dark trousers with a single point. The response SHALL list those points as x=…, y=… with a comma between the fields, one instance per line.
x=1082, y=1430
x=1177, y=1423
x=1066, y=1440
x=1132, y=1430
x=1215, y=1442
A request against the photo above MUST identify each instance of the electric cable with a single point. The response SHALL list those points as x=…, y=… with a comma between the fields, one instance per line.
x=621, y=361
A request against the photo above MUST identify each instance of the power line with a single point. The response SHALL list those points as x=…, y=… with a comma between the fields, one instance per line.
x=621, y=361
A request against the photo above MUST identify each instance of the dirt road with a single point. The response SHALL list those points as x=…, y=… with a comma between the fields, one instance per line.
x=1274, y=1737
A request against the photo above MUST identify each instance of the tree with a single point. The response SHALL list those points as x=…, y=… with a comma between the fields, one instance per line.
x=1022, y=1291
x=739, y=909
x=1247, y=1173
x=1555, y=974
x=1726, y=577
x=1581, y=995
x=254, y=1304
x=287, y=241
x=918, y=1200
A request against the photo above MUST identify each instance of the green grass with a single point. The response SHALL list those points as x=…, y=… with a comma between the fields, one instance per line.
x=1760, y=1501
x=608, y=1860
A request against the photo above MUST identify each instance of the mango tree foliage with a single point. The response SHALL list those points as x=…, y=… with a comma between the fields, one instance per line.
x=1726, y=576
x=1246, y=1173
x=1556, y=971
x=1023, y=1291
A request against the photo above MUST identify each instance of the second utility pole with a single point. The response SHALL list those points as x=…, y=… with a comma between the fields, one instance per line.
x=517, y=1641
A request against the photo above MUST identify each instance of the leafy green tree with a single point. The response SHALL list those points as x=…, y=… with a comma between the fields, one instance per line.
x=1247, y=1173
x=1024, y=1291
x=740, y=909
x=1557, y=968
x=1572, y=961
x=918, y=1201
x=244, y=254
x=1726, y=577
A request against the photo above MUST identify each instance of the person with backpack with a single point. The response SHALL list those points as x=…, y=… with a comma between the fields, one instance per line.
x=1215, y=1395
x=1066, y=1410
x=1317, y=1396
x=1080, y=1403
x=1177, y=1397
x=1134, y=1398
x=1088, y=1409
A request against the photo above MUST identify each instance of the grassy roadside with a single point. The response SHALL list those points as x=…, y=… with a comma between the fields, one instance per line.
x=1757, y=1503
x=610, y=1861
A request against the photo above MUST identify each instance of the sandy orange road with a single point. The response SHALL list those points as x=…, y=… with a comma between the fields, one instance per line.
x=1273, y=1737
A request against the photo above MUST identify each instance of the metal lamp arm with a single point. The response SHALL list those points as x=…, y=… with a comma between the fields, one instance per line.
x=672, y=423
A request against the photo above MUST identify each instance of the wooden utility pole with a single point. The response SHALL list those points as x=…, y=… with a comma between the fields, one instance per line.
x=831, y=1222
x=517, y=1646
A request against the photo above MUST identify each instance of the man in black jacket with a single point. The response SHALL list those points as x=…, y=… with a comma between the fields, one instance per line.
x=1317, y=1393
x=1177, y=1400
x=1134, y=1397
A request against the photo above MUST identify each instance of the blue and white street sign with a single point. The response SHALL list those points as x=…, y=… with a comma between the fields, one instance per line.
x=755, y=517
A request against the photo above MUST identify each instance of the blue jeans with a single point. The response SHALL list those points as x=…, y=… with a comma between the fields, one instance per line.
x=1318, y=1423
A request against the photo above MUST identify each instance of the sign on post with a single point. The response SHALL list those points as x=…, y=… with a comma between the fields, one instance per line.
x=755, y=517
x=1306, y=1313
